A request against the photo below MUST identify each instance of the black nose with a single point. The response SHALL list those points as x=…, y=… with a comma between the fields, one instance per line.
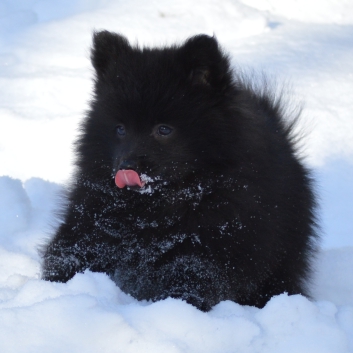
x=128, y=164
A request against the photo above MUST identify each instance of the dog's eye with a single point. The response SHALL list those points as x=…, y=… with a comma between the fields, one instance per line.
x=164, y=130
x=163, y=133
x=120, y=130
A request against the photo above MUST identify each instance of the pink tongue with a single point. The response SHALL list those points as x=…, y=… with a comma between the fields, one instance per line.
x=127, y=178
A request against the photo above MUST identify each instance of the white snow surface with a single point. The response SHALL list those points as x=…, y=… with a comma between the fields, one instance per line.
x=45, y=85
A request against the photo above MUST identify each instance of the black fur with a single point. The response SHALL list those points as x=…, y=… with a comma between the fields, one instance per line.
x=230, y=211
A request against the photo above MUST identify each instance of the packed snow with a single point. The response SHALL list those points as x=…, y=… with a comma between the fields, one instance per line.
x=45, y=85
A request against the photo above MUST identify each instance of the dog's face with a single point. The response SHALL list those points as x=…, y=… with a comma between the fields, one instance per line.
x=159, y=111
x=163, y=143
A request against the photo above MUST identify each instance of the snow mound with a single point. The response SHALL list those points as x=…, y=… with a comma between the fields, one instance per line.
x=90, y=313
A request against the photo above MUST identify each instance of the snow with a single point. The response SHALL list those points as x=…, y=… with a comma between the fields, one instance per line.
x=314, y=11
x=45, y=84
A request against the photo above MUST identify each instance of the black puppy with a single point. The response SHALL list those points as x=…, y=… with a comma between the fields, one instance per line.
x=187, y=182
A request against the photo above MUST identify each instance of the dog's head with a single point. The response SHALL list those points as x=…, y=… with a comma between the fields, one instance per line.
x=159, y=114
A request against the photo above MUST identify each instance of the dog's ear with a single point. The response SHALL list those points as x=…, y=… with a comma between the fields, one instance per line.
x=204, y=62
x=106, y=50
